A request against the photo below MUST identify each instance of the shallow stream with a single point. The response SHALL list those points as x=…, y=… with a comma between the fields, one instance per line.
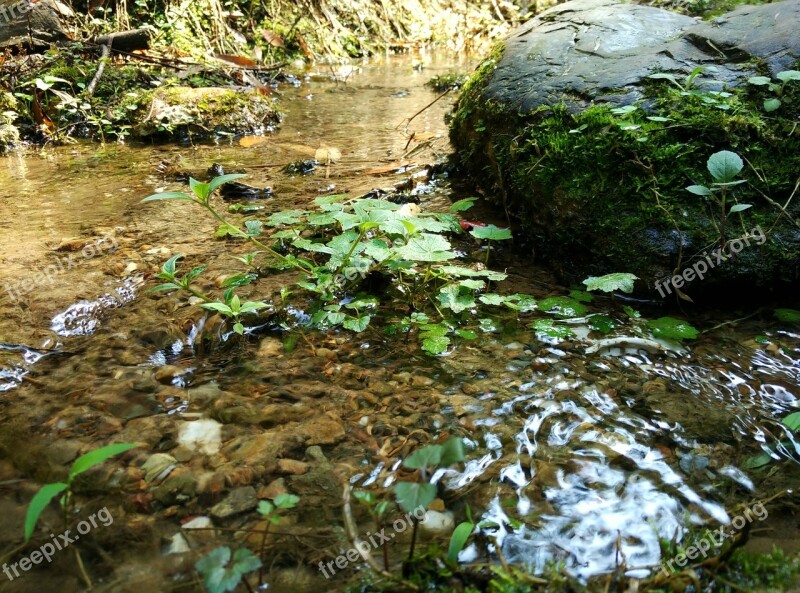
x=583, y=459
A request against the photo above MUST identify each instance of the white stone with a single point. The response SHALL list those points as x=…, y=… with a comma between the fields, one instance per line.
x=203, y=435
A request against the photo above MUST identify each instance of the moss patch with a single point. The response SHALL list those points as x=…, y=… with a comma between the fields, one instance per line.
x=603, y=190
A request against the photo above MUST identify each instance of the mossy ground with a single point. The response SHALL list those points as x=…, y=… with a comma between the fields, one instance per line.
x=599, y=191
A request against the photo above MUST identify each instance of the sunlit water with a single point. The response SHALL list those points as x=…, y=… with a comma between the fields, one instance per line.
x=587, y=460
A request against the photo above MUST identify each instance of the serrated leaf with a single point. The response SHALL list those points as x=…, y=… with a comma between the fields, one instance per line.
x=92, y=458
x=564, y=307
x=548, y=328
x=724, y=165
x=288, y=217
x=491, y=232
x=435, y=344
x=611, y=282
x=672, y=329
x=411, y=496
x=456, y=298
x=427, y=248
x=357, y=324
x=39, y=503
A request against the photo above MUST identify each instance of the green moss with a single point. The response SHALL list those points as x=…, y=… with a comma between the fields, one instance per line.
x=599, y=191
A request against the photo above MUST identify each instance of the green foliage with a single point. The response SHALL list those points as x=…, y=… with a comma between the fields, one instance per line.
x=459, y=539
x=221, y=573
x=49, y=491
x=269, y=510
x=563, y=307
x=777, y=88
x=788, y=315
x=413, y=495
x=672, y=329
x=611, y=282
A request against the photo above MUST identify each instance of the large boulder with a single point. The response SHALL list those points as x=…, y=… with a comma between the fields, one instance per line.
x=33, y=24
x=565, y=126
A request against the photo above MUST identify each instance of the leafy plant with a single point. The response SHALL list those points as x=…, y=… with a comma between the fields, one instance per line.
x=689, y=87
x=788, y=315
x=49, y=491
x=460, y=536
x=724, y=166
x=777, y=88
x=611, y=282
x=221, y=572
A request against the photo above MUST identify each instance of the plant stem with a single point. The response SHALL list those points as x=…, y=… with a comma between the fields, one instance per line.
x=413, y=539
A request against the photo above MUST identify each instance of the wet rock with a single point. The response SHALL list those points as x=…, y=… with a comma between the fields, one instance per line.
x=319, y=489
x=178, y=545
x=262, y=450
x=35, y=25
x=715, y=424
x=63, y=451
x=325, y=430
x=167, y=373
x=438, y=523
x=270, y=348
x=273, y=489
x=203, y=111
x=238, y=501
x=203, y=395
x=292, y=466
x=297, y=580
x=180, y=486
x=204, y=435
x=158, y=467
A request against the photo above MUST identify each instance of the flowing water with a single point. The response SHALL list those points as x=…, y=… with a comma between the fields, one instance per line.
x=582, y=459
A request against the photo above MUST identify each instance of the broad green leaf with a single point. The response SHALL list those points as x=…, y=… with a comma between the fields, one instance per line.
x=435, y=345
x=200, y=189
x=740, y=207
x=470, y=273
x=672, y=329
x=611, y=282
x=757, y=461
x=239, y=280
x=548, y=328
x=265, y=508
x=624, y=110
x=472, y=284
x=165, y=286
x=463, y=205
x=792, y=421
x=658, y=118
x=724, y=165
x=327, y=200
x=771, y=105
x=602, y=324
x=250, y=306
x=452, y=452
x=788, y=315
x=459, y=539
x=520, y=302
x=222, y=179
x=427, y=457
x=699, y=190
x=193, y=273
x=492, y=299
x=221, y=574
x=39, y=503
x=466, y=334
x=238, y=328
x=286, y=501
x=759, y=80
x=169, y=265
x=219, y=307
x=427, y=248
x=288, y=217
x=168, y=195
x=788, y=75
x=411, y=496
x=254, y=228
x=92, y=458
x=491, y=232
x=564, y=307
x=357, y=324
x=581, y=296
x=665, y=76
x=456, y=298
x=320, y=219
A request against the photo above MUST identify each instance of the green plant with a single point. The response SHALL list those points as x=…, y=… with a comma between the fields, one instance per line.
x=611, y=282
x=689, y=87
x=269, y=511
x=778, y=88
x=724, y=166
x=49, y=491
x=359, y=259
x=221, y=572
x=460, y=536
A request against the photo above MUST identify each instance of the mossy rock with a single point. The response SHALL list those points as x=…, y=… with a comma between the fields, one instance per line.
x=563, y=127
x=201, y=112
